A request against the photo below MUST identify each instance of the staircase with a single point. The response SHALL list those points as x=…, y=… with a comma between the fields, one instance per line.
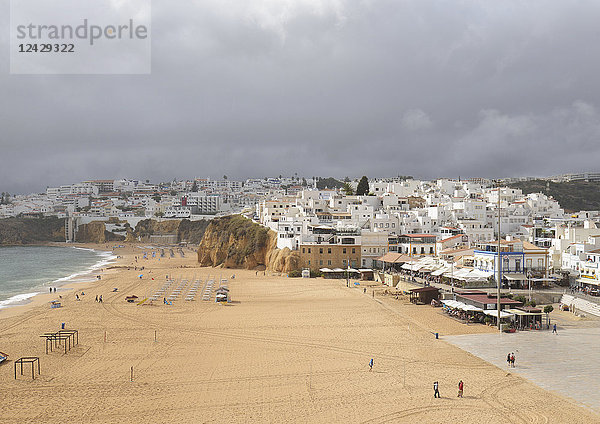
x=581, y=304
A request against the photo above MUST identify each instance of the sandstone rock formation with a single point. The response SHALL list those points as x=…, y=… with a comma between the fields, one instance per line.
x=237, y=242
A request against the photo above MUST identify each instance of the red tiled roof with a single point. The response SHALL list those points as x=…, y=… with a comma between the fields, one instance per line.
x=394, y=258
x=453, y=237
x=483, y=298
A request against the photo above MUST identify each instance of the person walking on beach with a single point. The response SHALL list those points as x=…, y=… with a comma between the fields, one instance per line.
x=508, y=359
x=100, y=299
x=371, y=365
x=436, y=392
x=554, y=329
x=50, y=289
x=460, y=388
x=96, y=298
x=512, y=360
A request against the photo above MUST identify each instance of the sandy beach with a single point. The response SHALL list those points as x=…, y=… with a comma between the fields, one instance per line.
x=284, y=350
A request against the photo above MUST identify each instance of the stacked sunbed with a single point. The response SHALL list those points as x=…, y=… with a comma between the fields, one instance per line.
x=175, y=294
x=161, y=292
x=193, y=289
x=208, y=288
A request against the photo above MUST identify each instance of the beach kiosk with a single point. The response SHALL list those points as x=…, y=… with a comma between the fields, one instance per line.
x=222, y=294
x=424, y=295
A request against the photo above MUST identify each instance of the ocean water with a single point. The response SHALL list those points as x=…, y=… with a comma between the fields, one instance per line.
x=28, y=270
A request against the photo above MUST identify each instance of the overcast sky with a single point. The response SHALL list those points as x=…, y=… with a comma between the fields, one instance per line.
x=331, y=88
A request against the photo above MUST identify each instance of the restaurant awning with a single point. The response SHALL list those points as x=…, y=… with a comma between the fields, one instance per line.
x=462, y=306
x=522, y=313
x=494, y=313
x=440, y=271
x=459, y=273
x=395, y=258
x=325, y=270
x=515, y=277
x=588, y=281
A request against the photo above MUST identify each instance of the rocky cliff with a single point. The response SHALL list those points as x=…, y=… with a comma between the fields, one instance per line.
x=237, y=242
x=95, y=232
x=31, y=230
x=186, y=230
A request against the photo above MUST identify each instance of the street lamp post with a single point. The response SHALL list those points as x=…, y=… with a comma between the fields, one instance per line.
x=499, y=263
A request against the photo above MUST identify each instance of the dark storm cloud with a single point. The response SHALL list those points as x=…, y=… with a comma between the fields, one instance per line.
x=250, y=89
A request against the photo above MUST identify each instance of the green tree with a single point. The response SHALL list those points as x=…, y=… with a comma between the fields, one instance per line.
x=346, y=179
x=363, y=186
x=224, y=177
x=347, y=189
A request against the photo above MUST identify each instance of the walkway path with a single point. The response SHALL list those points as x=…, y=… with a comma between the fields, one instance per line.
x=566, y=363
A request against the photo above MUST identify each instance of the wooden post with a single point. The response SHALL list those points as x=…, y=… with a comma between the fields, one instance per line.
x=131, y=374
x=105, y=337
x=154, y=335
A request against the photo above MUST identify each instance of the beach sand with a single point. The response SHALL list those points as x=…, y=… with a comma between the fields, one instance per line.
x=285, y=350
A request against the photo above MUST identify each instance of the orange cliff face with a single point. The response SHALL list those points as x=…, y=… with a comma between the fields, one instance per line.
x=236, y=242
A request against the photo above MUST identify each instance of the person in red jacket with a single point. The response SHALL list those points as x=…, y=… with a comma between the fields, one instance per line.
x=460, y=388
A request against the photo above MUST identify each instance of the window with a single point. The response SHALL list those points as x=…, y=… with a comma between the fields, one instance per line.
x=309, y=261
x=431, y=250
x=528, y=263
x=422, y=250
x=518, y=265
x=344, y=250
x=329, y=262
x=329, y=250
x=320, y=262
x=321, y=250
x=303, y=250
x=414, y=251
x=353, y=250
x=540, y=263
x=309, y=250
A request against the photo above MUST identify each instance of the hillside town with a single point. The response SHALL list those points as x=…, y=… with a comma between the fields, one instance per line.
x=441, y=230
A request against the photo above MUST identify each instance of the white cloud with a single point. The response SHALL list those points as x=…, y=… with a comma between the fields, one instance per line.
x=416, y=120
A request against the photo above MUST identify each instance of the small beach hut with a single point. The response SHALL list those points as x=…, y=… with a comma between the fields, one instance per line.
x=424, y=295
x=222, y=294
